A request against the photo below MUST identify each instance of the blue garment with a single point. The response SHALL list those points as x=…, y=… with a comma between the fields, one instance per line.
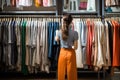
x=83, y=41
x=108, y=10
x=50, y=38
x=14, y=53
x=52, y=27
x=56, y=27
x=53, y=47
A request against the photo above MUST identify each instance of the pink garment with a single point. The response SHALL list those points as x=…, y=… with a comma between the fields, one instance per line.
x=83, y=5
x=45, y=2
x=13, y=2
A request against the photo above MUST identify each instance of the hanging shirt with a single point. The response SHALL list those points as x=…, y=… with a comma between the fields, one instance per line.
x=8, y=2
x=25, y=3
x=45, y=2
x=116, y=43
x=111, y=2
x=108, y=56
x=90, y=34
x=73, y=5
x=54, y=2
x=1, y=41
x=79, y=57
x=38, y=3
x=13, y=2
x=3, y=2
x=91, y=6
x=83, y=4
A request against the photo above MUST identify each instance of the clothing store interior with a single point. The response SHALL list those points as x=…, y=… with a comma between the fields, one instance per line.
x=29, y=50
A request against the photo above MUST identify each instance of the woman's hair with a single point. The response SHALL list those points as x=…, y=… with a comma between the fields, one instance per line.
x=65, y=28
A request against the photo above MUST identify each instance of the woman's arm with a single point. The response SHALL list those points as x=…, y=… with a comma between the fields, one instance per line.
x=75, y=44
x=56, y=37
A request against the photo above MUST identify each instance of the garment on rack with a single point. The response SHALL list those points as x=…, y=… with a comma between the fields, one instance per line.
x=93, y=49
x=78, y=27
x=1, y=43
x=73, y=5
x=13, y=2
x=91, y=5
x=8, y=2
x=65, y=5
x=90, y=27
x=22, y=3
x=53, y=47
x=3, y=2
x=112, y=2
x=83, y=4
x=110, y=39
x=116, y=43
x=38, y=3
x=25, y=44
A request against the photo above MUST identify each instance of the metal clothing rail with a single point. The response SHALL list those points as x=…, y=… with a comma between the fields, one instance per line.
x=27, y=12
x=112, y=15
x=29, y=16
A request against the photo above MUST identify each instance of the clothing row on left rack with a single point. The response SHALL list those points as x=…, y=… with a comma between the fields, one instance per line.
x=28, y=45
x=27, y=3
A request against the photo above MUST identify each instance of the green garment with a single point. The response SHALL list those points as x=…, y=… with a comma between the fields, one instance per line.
x=23, y=34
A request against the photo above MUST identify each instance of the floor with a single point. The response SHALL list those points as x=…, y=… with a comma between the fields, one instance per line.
x=83, y=76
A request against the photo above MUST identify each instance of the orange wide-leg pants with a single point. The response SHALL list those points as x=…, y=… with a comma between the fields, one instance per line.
x=67, y=64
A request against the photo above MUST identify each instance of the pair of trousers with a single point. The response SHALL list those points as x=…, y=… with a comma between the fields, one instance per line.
x=67, y=62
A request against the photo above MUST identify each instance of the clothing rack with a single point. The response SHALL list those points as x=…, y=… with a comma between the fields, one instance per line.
x=59, y=16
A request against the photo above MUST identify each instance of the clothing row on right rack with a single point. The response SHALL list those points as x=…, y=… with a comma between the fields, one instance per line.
x=112, y=5
x=114, y=40
x=76, y=5
x=95, y=43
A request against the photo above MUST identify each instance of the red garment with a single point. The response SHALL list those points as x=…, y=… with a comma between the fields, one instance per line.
x=90, y=33
x=116, y=43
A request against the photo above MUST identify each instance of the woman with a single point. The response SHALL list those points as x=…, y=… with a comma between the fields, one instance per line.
x=69, y=43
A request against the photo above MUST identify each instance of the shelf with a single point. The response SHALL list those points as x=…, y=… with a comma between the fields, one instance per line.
x=117, y=72
x=81, y=12
x=26, y=12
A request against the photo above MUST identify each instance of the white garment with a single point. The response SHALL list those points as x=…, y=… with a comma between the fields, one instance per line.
x=37, y=60
x=49, y=3
x=91, y=5
x=108, y=57
x=73, y=5
x=54, y=3
x=25, y=3
x=2, y=4
x=34, y=41
x=8, y=3
x=100, y=61
x=77, y=27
